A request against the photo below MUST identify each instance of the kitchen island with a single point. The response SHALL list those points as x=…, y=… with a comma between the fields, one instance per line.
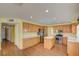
x=49, y=42
x=30, y=39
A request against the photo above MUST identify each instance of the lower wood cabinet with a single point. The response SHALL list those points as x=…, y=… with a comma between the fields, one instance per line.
x=64, y=41
x=73, y=48
x=49, y=43
x=30, y=42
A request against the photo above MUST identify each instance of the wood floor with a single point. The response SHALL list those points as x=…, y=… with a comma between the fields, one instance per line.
x=9, y=49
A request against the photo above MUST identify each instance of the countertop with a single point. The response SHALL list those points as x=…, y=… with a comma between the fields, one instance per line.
x=73, y=40
x=30, y=36
x=49, y=37
x=71, y=37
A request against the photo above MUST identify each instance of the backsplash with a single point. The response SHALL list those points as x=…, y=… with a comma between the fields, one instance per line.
x=30, y=33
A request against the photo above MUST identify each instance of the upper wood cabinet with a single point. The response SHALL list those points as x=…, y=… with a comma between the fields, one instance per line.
x=31, y=27
x=69, y=28
x=64, y=28
x=25, y=26
x=74, y=27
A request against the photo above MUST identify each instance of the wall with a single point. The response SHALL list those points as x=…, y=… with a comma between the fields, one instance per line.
x=18, y=30
x=19, y=35
x=13, y=33
x=0, y=35
x=9, y=33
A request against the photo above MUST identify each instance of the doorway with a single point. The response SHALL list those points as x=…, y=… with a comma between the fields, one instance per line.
x=7, y=35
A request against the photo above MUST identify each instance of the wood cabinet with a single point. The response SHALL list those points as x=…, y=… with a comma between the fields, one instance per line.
x=35, y=27
x=31, y=27
x=73, y=48
x=29, y=42
x=74, y=27
x=64, y=41
x=69, y=28
x=64, y=28
x=49, y=43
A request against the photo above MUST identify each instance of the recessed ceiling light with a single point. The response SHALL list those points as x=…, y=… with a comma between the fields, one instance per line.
x=30, y=16
x=46, y=11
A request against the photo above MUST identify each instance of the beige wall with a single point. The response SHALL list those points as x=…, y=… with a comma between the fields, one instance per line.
x=0, y=35
x=18, y=35
x=13, y=33
x=18, y=30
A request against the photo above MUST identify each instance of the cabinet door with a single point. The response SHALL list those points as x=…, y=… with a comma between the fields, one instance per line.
x=30, y=27
x=74, y=26
x=64, y=28
x=25, y=26
x=34, y=28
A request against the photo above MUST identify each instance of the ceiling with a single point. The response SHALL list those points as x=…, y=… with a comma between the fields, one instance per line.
x=57, y=12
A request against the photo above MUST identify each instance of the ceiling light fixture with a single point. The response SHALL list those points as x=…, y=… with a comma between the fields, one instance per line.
x=46, y=11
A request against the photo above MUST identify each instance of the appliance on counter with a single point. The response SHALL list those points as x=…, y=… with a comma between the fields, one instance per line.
x=41, y=34
x=59, y=36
